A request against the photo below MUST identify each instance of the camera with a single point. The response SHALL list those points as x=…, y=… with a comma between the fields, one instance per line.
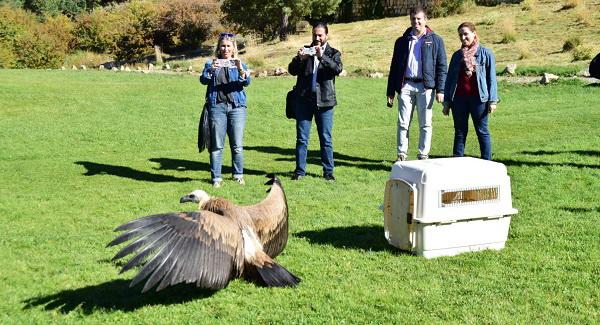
x=225, y=63
x=309, y=50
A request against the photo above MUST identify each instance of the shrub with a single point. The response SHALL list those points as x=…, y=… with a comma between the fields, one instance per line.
x=55, y=7
x=534, y=17
x=524, y=52
x=185, y=24
x=61, y=28
x=583, y=16
x=38, y=50
x=508, y=31
x=581, y=53
x=136, y=23
x=27, y=43
x=7, y=57
x=529, y=5
x=571, y=43
x=255, y=62
x=95, y=31
x=443, y=8
x=488, y=20
x=570, y=4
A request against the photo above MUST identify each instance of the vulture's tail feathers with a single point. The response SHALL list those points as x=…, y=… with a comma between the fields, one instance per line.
x=275, y=275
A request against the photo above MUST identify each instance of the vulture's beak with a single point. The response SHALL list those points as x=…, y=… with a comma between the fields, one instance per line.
x=187, y=198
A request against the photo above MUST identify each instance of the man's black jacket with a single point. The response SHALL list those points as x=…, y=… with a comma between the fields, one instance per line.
x=330, y=65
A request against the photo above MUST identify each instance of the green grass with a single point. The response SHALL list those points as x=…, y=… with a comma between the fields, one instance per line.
x=83, y=152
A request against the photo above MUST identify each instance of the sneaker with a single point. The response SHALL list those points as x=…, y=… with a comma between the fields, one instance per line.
x=240, y=180
x=297, y=177
x=217, y=184
x=422, y=157
x=329, y=177
x=401, y=157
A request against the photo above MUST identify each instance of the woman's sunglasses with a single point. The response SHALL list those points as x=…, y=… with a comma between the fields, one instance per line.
x=226, y=35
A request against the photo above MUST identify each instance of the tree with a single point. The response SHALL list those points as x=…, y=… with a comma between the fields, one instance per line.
x=270, y=19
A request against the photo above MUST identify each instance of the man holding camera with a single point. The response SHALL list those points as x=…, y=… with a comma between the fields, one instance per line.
x=417, y=73
x=316, y=67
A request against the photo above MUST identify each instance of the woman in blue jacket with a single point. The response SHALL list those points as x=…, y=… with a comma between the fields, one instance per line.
x=471, y=89
x=226, y=76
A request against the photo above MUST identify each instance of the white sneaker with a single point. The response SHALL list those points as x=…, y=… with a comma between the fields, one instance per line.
x=217, y=184
x=240, y=180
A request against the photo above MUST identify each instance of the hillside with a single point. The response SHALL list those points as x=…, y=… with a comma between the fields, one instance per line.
x=540, y=30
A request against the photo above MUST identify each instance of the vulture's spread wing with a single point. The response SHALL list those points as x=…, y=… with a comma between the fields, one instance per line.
x=270, y=218
x=201, y=247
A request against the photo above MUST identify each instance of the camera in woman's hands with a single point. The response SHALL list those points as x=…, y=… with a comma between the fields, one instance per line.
x=225, y=63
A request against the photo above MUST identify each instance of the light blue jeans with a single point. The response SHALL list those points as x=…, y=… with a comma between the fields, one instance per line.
x=414, y=95
x=226, y=119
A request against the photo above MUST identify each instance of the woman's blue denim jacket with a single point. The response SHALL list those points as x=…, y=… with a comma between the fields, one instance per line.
x=485, y=71
x=236, y=84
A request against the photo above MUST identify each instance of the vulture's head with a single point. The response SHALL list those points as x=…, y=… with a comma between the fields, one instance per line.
x=198, y=196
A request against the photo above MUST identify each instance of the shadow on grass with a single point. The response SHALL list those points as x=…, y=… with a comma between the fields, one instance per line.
x=591, y=153
x=370, y=238
x=128, y=172
x=581, y=210
x=592, y=85
x=314, y=157
x=186, y=165
x=114, y=295
x=511, y=162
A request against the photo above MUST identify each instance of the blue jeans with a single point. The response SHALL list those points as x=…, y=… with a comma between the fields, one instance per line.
x=462, y=106
x=305, y=110
x=224, y=118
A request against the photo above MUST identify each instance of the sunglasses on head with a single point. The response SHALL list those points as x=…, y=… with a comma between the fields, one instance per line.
x=226, y=35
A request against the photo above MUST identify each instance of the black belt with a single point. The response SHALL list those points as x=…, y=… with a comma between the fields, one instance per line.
x=413, y=79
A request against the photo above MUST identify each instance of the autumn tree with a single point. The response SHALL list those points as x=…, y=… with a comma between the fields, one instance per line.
x=270, y=19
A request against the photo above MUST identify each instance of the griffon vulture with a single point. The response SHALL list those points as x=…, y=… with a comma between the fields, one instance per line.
x=212, y=246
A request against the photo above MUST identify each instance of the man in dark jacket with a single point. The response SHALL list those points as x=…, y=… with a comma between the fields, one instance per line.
x=417, y=74
x=316, y=66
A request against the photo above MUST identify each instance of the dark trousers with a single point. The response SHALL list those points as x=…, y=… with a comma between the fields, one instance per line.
x=305, y=110
x=462, y=107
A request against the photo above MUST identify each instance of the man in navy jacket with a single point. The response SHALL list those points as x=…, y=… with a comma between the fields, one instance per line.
x=417, y=74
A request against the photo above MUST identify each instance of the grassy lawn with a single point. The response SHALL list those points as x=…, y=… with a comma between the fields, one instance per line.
x=83, y=152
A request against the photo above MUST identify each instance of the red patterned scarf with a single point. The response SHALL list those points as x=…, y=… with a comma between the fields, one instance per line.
x=469, y=56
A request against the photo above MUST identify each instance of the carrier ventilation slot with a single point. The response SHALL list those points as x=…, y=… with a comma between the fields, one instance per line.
x=469, y=196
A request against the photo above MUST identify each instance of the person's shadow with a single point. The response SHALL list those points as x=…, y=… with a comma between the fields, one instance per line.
x=187, y=165
x=115, y=295
x=127, y=172
x=314, y=157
